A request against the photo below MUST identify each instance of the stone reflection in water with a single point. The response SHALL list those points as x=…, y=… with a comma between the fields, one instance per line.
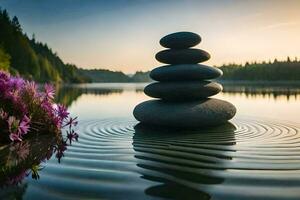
x=181, y=162
x=24, y=159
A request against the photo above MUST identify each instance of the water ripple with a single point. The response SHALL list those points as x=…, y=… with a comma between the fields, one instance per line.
x=115, y=158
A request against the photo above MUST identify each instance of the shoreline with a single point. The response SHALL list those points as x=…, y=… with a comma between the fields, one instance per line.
x=226, y=82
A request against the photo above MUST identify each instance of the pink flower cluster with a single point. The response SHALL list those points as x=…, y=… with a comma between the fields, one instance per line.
x=25, y=109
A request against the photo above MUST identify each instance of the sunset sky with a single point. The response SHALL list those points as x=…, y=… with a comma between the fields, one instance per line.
x=124, y=35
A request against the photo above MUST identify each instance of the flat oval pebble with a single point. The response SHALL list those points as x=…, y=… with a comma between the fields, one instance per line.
x=182, y=91
x=180, y=40
x=185, y=72
x=195, y=114
x=182, y=56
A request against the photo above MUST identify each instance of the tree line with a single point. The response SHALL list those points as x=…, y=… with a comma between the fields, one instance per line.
x=106, y=76
x=29, y=58
x=287, y=70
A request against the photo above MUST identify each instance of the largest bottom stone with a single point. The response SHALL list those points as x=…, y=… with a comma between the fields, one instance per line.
x=208, y=112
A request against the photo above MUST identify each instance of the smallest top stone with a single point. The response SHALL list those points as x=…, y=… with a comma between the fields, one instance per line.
x=180, y=40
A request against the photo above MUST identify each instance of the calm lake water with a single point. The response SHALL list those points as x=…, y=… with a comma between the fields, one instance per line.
x=255, y=156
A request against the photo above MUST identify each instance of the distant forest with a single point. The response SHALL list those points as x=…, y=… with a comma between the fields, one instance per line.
x=105, y=76
x=34, y=60
x=288, y=70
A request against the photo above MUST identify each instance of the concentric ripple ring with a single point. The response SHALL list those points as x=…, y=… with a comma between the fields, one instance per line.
x=220, y=163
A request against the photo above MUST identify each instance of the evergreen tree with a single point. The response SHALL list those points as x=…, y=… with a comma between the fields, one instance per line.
x=5, y=15
x=16, y=24
x=33, y=38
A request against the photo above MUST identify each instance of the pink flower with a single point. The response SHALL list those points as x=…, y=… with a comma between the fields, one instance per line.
x=49, y=91
x=71, y=122
x=47, y=106
x=60, y=149
x=72, y=135
x=14, y=137
x=62, y=112
x=15, y=83
x=31, y=88
x=24, y=125
x=16, y=128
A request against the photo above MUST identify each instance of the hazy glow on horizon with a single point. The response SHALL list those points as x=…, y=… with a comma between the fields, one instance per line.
x=123, y=35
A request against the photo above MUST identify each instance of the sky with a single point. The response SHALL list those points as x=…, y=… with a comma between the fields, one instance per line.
x=124, y=35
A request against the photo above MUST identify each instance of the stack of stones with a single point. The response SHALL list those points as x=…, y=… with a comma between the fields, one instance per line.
x=183, y=88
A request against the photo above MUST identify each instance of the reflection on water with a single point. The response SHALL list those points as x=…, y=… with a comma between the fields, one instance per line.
x=173, y=159
x=117, y=159
x=240, y=161
x=24, y=159
x=94, y=101
x=70, y=93
x=264, y=91
x=253, y=157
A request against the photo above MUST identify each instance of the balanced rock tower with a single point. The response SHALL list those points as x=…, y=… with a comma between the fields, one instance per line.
x=183, y=88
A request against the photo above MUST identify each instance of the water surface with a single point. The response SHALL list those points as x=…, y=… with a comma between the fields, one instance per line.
x=255, y=156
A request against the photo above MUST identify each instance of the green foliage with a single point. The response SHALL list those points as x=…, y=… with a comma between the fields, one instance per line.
x=4, y=60
x=272, y=71
x=32, y=59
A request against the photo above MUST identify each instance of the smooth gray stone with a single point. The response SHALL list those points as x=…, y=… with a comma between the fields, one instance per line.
x=180, y=40
x=182, y=56
x=185, y=72
x=203, y=113
x=182, y=91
